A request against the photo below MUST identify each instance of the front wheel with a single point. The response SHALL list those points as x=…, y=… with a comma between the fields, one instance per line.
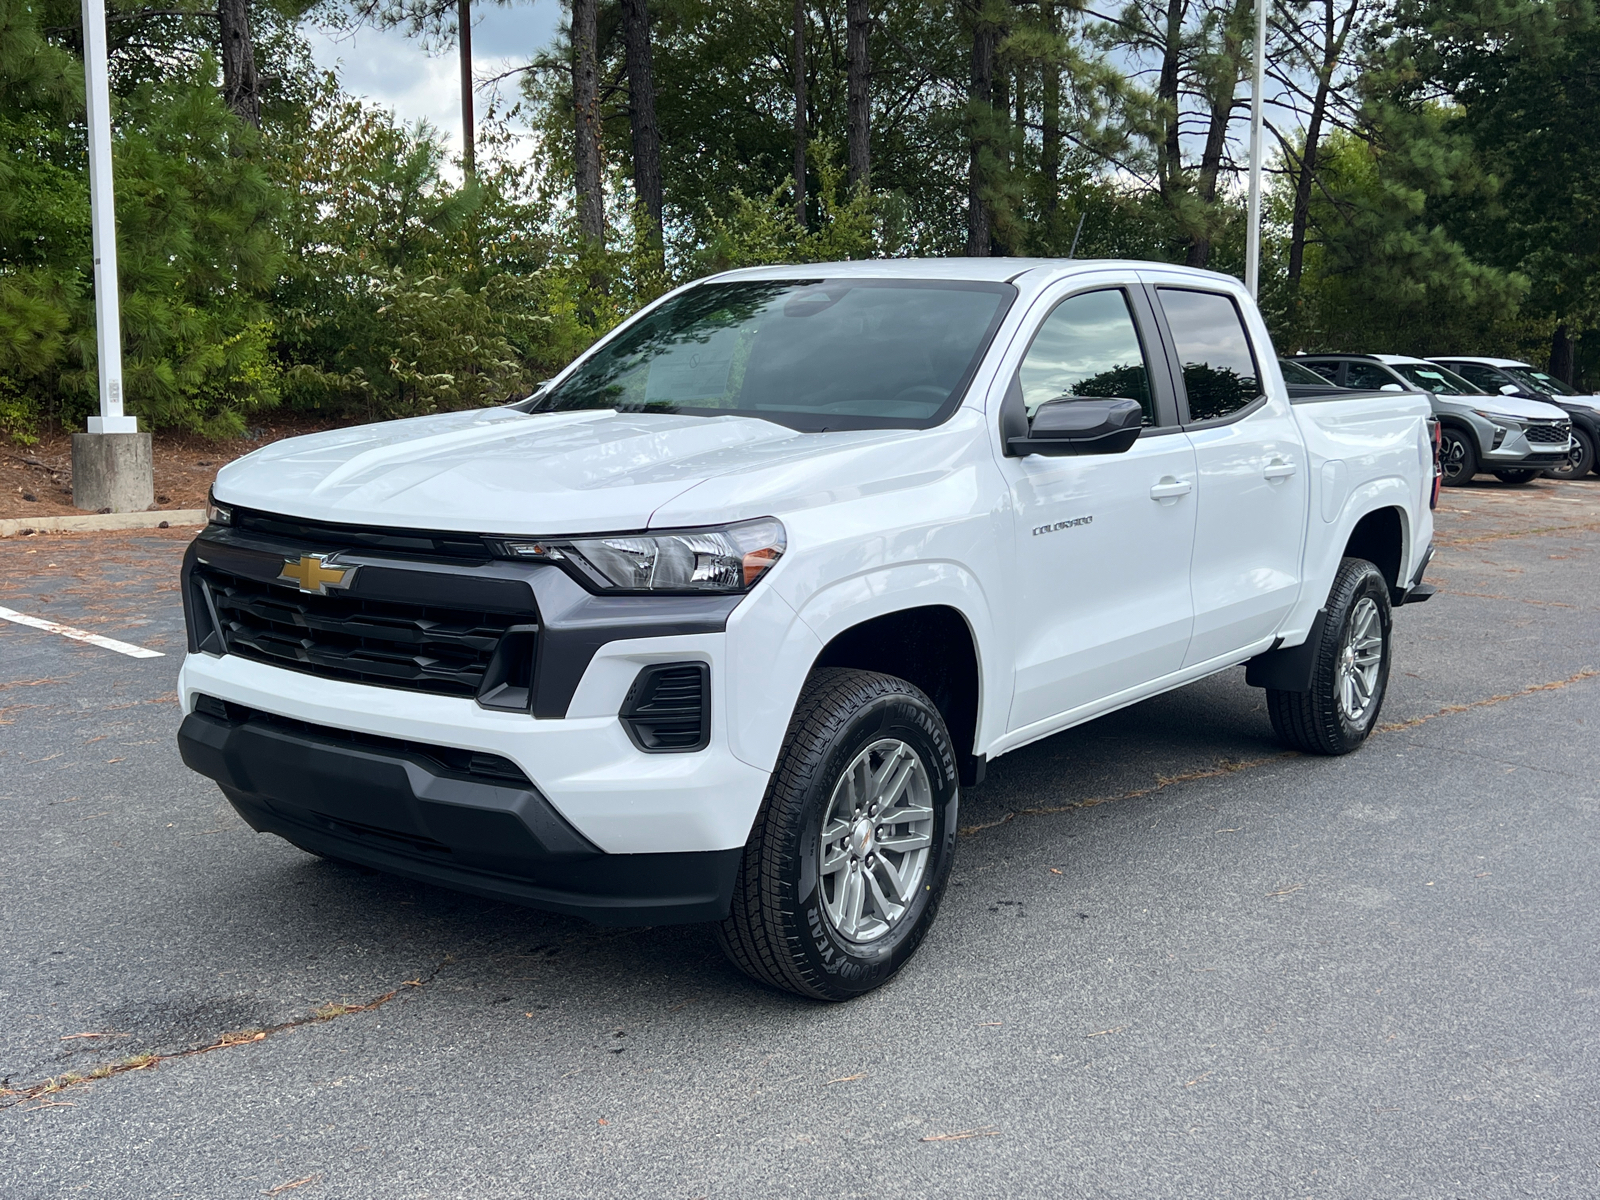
x=1518, y=476
x=1351, y=671
x=1580, y=459
x=848, y=857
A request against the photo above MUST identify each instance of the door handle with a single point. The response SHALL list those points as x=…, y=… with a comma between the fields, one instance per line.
x=1169, y=489
x=1278, y=469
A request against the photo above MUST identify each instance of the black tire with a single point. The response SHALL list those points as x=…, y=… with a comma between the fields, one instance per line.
x=1580, y=460
x=779, y=930
x=1458, y=456
x=1518, y=477
x=1315, y=721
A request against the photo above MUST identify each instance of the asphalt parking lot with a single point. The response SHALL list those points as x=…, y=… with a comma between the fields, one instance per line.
x=1175, y=962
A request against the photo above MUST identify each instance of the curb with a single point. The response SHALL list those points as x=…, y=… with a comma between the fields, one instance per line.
x=12, y=526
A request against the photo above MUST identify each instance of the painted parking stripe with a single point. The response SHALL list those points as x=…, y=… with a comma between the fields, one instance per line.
x=82, y=635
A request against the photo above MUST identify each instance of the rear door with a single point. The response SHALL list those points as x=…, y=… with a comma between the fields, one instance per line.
x=1251, y=487
x=1101, y=602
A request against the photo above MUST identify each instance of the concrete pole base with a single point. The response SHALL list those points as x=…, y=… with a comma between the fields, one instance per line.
x=112, y=472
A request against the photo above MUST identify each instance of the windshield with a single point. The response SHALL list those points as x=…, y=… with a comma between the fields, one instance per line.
x=811, y=354
x=1538, y=381
x=1434, y=378
x=1293, y=372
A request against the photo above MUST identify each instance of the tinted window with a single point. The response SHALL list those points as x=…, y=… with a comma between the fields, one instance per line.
x=1487, y=378
x=1294, y=372
x=1436, y=380
x=811, y=354
x=1328, y=370
x=1087, y=346
x=1219, y=369
x=1370, y=377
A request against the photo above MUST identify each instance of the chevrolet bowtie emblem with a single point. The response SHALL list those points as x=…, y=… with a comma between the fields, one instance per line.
x=310, y=573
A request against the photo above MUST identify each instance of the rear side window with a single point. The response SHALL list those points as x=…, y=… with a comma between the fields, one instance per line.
x=1328, y=370
x=1219, y=368
x=1369, y=376
x=1087, y=346
x=1487, y=378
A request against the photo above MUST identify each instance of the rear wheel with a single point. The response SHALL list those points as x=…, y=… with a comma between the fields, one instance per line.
x=1580, y=459
x=1351, y=671
x=1458, y=456
x=1518, y=477
x=848, y=857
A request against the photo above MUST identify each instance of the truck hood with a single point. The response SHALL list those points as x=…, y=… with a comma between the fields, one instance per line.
x=502, y=471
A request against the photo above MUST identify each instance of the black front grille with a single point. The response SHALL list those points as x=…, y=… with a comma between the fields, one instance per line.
x=421, y=647
x=326, y=535
x=668, y=708
x=1558, y=432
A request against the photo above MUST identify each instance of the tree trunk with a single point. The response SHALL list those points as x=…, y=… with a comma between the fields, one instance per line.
x=1210, y=164
x=1169, y=157
x=980, y=95
x=1050, y=153
x=241, y=86
x=586, y=120
x=858, y=20
x=1562, y=362
x=642, y=112
x=469, y=155
x=800, y=113
x=1333, y=42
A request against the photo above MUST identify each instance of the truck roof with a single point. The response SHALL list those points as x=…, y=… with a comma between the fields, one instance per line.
x=976, y=270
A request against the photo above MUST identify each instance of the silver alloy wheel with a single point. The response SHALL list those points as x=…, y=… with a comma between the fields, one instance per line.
x=1452, y=456
x=877, y=835
x=1360, y=658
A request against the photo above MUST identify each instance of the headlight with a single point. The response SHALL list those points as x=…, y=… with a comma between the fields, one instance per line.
x=218, y=514
x=720, y=559
x=1500, y=418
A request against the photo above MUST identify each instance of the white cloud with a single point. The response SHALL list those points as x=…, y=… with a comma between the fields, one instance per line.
x=389, y=68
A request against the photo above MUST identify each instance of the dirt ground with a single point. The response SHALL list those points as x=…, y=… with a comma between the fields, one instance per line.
x=36, y=480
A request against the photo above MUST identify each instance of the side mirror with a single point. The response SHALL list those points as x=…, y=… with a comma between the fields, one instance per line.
x=1080, y=425
x=1391, y=387
x=1509, y=389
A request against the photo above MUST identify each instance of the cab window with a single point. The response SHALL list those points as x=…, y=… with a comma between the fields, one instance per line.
x=1087, y=346
x=1219, y=368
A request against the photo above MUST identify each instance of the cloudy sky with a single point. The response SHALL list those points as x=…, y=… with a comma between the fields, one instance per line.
x=392, y=69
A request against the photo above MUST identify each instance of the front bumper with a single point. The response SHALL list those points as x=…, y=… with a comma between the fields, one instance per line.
x=394, y=807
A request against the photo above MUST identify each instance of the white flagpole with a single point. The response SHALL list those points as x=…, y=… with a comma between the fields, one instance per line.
x=1252, y=246
x=103, y=220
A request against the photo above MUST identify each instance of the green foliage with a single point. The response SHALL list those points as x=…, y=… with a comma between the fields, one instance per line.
x=329, y=263
x=1383, y=275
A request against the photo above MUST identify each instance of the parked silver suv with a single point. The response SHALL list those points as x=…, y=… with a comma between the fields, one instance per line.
x=1514, y=438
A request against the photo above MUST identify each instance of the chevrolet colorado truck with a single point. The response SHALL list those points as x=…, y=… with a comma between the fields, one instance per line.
x=718, y=623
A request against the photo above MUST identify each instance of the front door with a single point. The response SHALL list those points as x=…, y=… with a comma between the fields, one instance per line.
x=1102, y=541
x=1251, y=486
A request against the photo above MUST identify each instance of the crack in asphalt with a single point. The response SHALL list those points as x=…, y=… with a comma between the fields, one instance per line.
x=11, y=1097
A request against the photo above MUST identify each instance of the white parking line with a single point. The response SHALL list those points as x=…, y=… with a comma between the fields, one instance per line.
x=82, y=635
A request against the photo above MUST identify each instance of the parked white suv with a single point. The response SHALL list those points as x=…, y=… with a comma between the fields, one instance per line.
x=716, y=626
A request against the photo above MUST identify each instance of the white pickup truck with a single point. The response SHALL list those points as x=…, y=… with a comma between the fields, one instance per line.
x=718, y=623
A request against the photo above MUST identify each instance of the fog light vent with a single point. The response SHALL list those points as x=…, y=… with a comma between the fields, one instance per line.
x=668, y=709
